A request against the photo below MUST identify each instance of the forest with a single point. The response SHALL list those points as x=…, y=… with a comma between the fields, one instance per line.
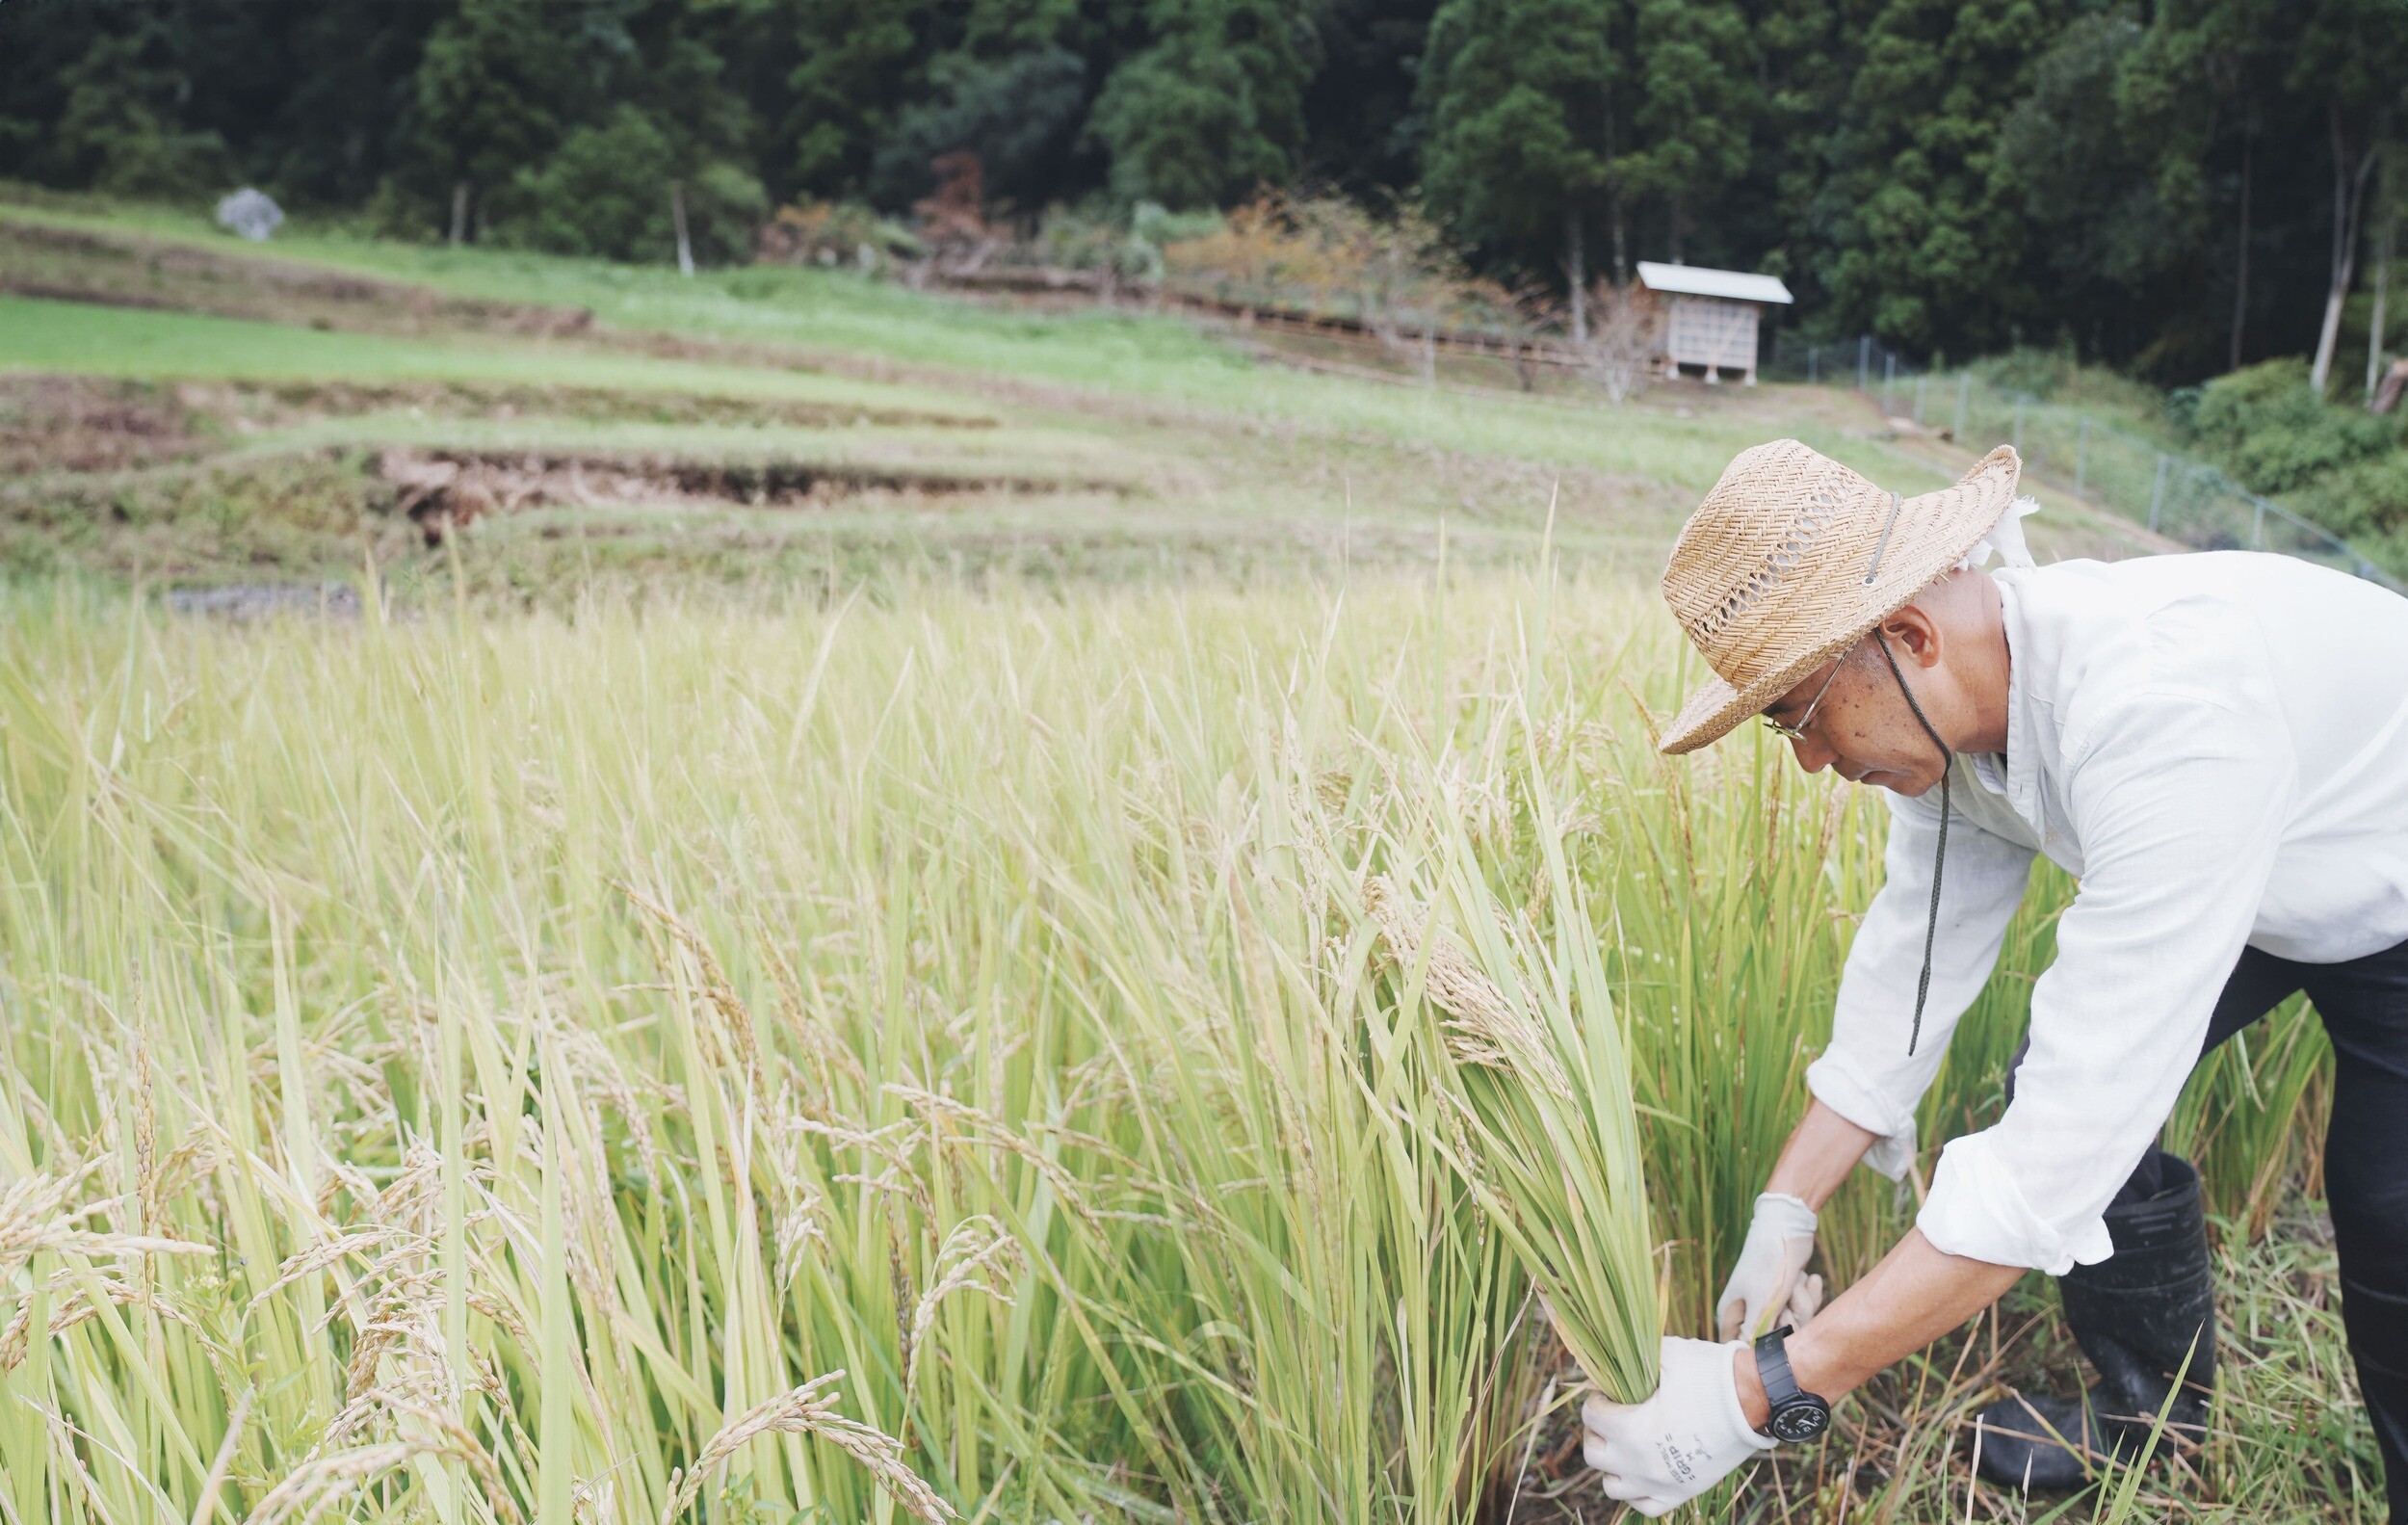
x=2175, y=188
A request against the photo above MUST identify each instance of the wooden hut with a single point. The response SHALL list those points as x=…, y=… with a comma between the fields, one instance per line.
x=1711, y=316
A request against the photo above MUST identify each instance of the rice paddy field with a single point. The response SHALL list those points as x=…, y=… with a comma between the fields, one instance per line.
x=981, y=916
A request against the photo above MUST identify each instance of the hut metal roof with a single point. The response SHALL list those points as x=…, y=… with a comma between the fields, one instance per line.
x=1695, y=281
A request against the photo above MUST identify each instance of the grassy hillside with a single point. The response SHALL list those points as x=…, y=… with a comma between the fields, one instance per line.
x=931, y=430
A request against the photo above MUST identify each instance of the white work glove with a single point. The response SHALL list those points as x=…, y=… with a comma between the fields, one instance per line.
x=1658, y=1455
x=1766, y=1287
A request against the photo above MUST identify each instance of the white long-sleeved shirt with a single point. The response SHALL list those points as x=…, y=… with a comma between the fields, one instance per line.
x=2216, y=747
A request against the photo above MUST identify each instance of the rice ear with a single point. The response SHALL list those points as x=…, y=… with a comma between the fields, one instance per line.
x=810, y=1409
x=1487, y=1029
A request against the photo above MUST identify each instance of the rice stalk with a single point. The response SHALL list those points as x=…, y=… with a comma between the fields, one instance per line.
x=1534, y=1066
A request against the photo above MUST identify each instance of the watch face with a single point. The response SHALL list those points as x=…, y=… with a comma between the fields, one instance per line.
x=1800, y=1419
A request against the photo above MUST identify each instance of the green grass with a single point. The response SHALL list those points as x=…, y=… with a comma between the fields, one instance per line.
x=74, y=338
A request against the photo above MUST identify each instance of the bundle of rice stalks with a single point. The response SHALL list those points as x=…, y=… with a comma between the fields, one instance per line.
x=1530, y=1060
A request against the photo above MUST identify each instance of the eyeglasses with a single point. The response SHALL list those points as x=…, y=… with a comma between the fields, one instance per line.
x=1798, y=730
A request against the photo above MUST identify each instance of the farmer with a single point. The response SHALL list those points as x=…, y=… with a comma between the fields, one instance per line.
x=2216, y=746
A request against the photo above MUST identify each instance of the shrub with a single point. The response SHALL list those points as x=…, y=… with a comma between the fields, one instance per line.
x=834, y=233
x=1089, y=235
x=2264, y=425
x=1325, y=252
x=606, y=194
x=2367, y=497
x=724, y=205
x=2035, y=373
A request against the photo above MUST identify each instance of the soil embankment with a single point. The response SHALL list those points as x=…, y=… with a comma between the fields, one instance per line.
x=127, y=270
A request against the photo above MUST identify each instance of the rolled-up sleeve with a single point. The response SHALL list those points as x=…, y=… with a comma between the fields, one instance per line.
x=1866, y=1076
x=2178, y=799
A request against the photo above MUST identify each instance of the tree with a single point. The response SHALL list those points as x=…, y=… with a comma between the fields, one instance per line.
x=1214, y=107
x=680, y=80
x=2235, y=47
x=1521, y=99
x=183, y=96
x=565, y=128
x=500, y=85
x=2354, y=54
x=861, y=60
x=2385, y=218
x=122, y=130
x=1362, y=129
x=342, y=77
x=1764, y=218
x=1019, y=114
x=2109, y=161
x=1621, y=354
x=1922, y=220
x=1693, y=94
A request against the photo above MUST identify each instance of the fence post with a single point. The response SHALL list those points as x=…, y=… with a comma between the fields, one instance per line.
x=1964, y=390
x=1814, y=363
x=2081, y=454
x=1889, y=380
x=1919, y=397
x=1864, y=359
x=677, y=216
x=2157, y=494
x=2019, y=423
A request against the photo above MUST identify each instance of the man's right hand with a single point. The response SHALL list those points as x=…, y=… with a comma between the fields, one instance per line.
x=1768, y=1285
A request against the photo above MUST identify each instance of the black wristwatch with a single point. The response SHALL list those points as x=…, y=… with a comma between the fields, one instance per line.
x=1796, y=1415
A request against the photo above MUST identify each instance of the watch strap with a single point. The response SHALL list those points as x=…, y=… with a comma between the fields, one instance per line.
x=1772, y=1366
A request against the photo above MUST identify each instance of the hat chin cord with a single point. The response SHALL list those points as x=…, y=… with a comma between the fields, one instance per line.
x=1939, y=858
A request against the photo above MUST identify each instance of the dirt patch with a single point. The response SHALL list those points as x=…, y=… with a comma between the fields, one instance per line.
x=87, y=424
x=438, y=490
x=73, y=423
x=271, y=404
x=126, y=271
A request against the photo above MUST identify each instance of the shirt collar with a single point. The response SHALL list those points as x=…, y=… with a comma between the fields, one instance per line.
x=2023, y=777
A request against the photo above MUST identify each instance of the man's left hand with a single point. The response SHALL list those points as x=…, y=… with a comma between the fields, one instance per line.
x=1676, y=1445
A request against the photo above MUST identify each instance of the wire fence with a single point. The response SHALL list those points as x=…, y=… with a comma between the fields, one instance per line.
x=2093, y=458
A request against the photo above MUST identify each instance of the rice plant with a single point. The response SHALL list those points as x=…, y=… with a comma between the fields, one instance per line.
x=874, y=1061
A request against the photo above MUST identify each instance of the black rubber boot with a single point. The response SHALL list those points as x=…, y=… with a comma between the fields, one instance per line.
x=2137, y=1315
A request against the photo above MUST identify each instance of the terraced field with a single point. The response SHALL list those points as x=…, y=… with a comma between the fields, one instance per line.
x=185, y=408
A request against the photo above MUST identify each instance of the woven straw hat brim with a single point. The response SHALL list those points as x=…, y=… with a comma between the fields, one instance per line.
x=1934, y=530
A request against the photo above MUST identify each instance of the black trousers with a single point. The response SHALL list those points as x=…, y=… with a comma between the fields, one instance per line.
x=2363, y=1005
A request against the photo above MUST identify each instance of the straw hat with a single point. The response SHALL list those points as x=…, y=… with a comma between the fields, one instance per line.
x=1792, y=557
